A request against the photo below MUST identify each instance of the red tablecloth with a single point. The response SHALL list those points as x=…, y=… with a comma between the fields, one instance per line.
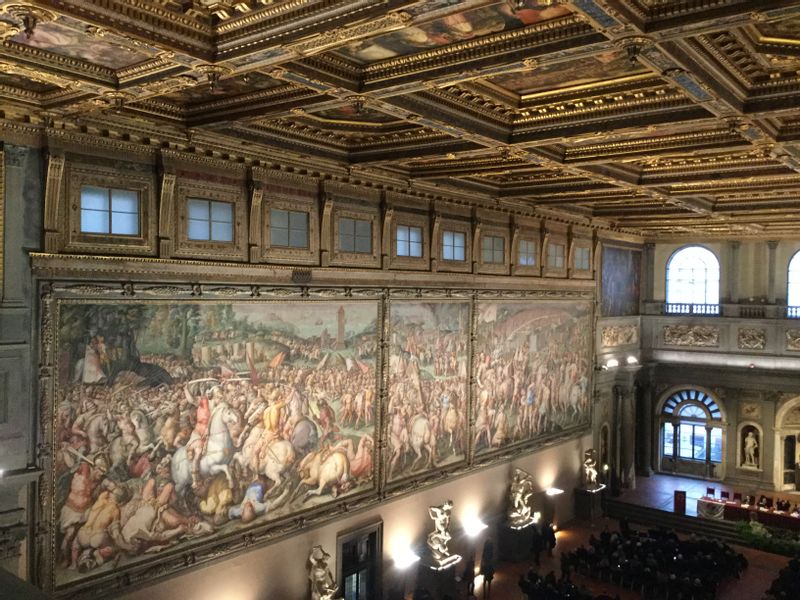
x=733, y=511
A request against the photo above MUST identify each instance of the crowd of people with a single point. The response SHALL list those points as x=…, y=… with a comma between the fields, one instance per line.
x=658, y=562
x=787, y=584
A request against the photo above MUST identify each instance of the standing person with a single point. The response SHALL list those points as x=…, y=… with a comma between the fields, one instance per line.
x=487, y=568
x=549, y=535
x=536, y=545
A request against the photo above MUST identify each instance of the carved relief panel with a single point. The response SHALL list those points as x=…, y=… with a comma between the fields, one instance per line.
x=699, y=336
x=619, y=335
x=752, y=338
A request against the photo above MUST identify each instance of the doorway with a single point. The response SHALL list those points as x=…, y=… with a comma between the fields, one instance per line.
x=360, y=555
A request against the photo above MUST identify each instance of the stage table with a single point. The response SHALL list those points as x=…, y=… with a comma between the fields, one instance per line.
x=710, y=508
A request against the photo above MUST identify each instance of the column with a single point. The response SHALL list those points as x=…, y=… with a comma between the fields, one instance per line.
x=771, y=246
x=627, y=423
x=675, y=442
x=644, y=427
x=733, y=272
x=709, y=466
x=649, y=277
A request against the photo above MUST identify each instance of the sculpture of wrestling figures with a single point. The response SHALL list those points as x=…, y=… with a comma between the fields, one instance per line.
x=520, y=514
x=323, y=587
x=439, y=538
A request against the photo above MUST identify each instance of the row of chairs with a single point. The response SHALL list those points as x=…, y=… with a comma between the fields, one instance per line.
x=723, y=494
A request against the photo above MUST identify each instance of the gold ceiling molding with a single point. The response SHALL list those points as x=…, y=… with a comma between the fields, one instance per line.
x=615, y=111
x=335, y=37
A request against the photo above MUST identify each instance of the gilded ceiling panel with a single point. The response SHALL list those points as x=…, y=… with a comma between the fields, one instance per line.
x=457, y=27
x=73, y=39
x=579, y=72
x=224, y=88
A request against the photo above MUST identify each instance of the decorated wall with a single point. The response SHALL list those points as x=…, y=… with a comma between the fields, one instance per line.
x=188, y=423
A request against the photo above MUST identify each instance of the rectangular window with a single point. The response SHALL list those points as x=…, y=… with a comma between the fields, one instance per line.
x=692, y=441
x=408, y=241
x=582, y=256
x=288, y=228
x=209, y=220
x=454, y=245
x=355, y=235
x=109, y=211
x=668, y=441
x=493, y=249
x=555, y=255
x=526, y=253
x=716, y=445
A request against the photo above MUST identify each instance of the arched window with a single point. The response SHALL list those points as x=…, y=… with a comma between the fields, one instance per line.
x=793, y=292
x=693, y=279
x=691, y=427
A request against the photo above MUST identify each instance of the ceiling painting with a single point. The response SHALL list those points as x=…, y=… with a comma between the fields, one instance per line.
x=583, y=71
x=70, y=38
x=451, y=29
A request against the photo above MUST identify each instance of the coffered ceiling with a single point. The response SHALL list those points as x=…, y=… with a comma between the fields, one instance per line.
x=665, y=118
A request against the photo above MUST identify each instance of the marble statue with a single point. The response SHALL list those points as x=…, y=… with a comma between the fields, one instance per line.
x=520, y=514
x=750, y=446
x=440, y=537
x=590, y=468
x=323, y=587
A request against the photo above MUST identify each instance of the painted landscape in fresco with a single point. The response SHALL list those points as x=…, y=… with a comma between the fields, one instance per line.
x=532, y=368
x=182, y=421
x=457, y=27
x=620, y=282
x=426, y=418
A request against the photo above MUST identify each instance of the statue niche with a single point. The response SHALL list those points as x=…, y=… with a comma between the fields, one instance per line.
x=750, y=457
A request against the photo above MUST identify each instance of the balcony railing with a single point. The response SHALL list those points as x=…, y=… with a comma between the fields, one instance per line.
x=681, y=308
x=742, y=311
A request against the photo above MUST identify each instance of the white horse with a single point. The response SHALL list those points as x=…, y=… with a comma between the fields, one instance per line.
x=217, y=454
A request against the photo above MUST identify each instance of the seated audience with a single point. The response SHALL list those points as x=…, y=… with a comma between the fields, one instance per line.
x=787, y=582
x=657, y=562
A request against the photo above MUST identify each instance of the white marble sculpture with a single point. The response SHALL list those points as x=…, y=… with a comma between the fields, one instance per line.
x=439, y=538
x=520, y=514
x=590, y=468
x=323, y=587
x=750, y=447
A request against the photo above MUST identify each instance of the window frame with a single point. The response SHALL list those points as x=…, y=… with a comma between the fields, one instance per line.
x=491, y=230
x=355, y=235
x=409, y=243
x=284, y=191
x=673, y=404
x=211, y=203
x=579, y=250
x=109, y=212
x=557, y=244
x=493, y=250
x=190, y=186
x=289, y=212
x=463, y=247
x=533, y=253
x=793, y=281
x=671, y=296
x=456, y=224
x=78, y=174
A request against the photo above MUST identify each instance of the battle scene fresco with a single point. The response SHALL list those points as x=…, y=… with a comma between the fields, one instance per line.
x=533, y=363
x=426, y=416
x=457, y=27
x=175, y=422
x=620, y=282
x=587, y=70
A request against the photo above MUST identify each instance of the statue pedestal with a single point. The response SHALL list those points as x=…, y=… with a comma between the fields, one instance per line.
x=589, y=502
x=440, y=580
x=515, y=544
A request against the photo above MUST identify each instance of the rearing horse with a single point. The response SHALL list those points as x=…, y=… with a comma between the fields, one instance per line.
x=217, y=453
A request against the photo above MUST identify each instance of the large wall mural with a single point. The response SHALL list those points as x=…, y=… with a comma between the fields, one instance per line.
x=620, y=282
x=428, y=386
x=178, y=421
x=189, y=426
x=532, y=368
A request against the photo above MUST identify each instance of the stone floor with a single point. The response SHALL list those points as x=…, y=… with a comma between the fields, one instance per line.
x=755, y=580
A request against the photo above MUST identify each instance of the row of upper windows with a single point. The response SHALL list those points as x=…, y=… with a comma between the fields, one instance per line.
x=113, y=211
x=693, y=276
